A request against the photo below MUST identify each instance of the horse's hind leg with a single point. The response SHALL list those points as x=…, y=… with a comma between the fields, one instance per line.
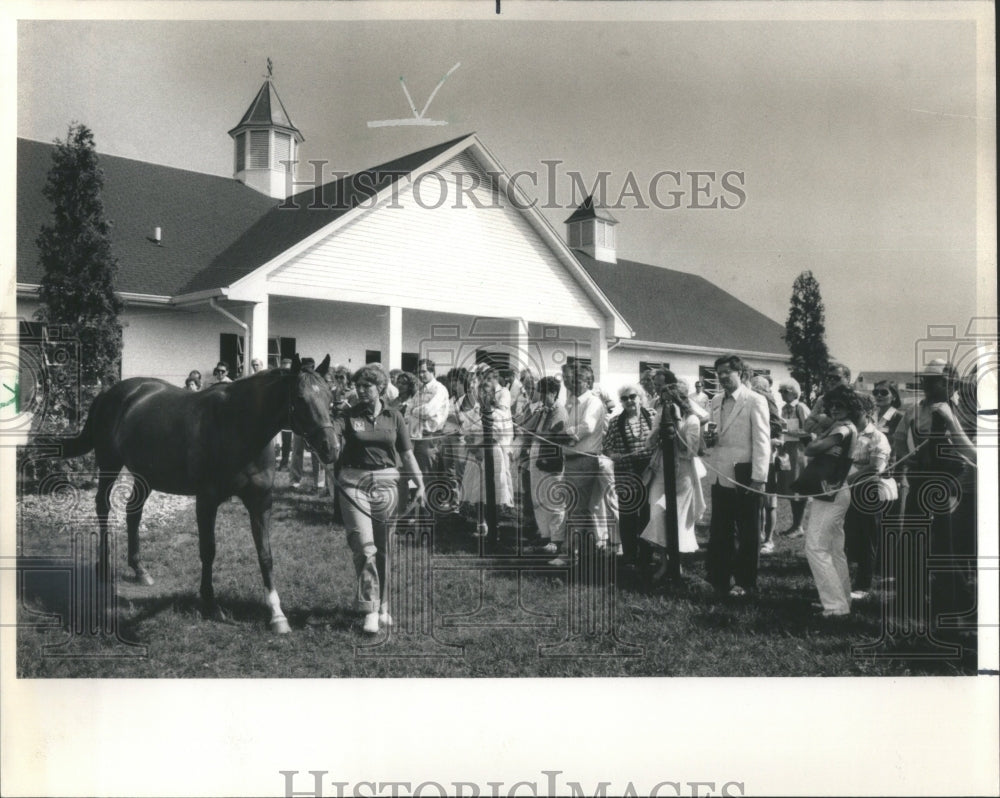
x=258, y=504
x=133, y=515
x=105, y=482
x=206, y=508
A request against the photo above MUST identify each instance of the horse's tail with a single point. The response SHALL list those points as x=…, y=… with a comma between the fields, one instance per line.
x=76, y=446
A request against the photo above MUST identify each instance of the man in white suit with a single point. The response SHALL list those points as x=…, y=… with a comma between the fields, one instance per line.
x=739, y=441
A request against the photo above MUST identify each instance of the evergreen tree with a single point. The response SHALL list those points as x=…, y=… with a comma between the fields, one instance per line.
x=805, y=334
x=78, y=302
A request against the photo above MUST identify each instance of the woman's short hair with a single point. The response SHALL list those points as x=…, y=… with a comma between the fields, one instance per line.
x=759, y=382
x=372, y=374
x=628, y=388
x=406, y=380
x=893, y=390
x=342, y=371
x=790, y=385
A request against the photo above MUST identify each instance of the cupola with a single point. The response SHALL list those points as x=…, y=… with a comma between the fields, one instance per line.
x=265, y=143
x=591, y=229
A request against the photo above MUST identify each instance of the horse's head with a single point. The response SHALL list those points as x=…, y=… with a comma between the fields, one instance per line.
x=310, y=407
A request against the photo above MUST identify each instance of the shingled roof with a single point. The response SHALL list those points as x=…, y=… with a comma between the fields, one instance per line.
x=198, y=214
x=675, y=307
x=267, y=110
x=215, y=230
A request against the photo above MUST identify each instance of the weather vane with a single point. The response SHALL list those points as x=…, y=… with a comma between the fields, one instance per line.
x=418, y=117
x=270, y=68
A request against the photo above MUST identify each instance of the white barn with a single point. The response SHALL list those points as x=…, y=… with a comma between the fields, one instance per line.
x=434, y=254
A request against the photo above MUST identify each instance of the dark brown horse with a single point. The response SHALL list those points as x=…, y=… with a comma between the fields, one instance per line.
x=211, y=444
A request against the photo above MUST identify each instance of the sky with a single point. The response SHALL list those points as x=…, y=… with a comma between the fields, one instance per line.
x=856, y=140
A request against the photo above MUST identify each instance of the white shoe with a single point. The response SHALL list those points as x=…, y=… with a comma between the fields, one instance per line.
x=550, y=548
x=371, y=623
x=859, y=595
x=385, y=619
x=767, y=547
x=558, y=561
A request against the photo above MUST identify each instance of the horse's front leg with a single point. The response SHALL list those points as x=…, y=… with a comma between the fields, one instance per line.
x=206, y=507
x=258, y=501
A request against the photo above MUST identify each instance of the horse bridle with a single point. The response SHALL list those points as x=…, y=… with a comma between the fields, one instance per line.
x=297, y=428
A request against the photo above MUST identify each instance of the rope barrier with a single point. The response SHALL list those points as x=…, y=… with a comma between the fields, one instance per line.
x=889, y=473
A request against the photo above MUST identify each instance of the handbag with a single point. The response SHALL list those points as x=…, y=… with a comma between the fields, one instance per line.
x=888, y=490
x=550, y=458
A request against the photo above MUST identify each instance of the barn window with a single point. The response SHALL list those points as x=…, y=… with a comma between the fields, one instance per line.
x=259, y=149
x=278, y=349
x=408, y=362
x=709, y=381
x=231, y=353
x=282, y=151
x=574, y=235
x=241, y=151
x=373, y=356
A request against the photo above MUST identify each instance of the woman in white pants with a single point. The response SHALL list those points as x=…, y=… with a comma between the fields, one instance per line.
x=825, y=536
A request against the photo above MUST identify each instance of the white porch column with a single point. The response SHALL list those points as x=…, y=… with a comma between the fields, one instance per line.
x=392, y=339
x=257, y=343
x=599, y=352
x=521, y=355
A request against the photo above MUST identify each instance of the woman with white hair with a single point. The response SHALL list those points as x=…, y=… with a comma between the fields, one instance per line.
x=626, y=443
x=791, y=456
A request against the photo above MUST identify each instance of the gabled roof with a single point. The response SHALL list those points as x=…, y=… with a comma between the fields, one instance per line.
x=267, y=110
x=303, y=214
x=199, y=215
x=588, y=210
x=675, y=307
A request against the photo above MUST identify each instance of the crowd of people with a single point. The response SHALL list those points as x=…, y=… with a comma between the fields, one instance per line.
x=568, y=462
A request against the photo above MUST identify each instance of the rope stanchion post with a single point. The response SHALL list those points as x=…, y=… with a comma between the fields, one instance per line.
x=489, y=473
x=668, y=432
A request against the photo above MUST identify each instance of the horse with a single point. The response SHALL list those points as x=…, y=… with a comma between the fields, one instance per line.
x=211, y=444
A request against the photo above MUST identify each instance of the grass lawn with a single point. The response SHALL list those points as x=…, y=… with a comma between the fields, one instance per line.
x=477, y=616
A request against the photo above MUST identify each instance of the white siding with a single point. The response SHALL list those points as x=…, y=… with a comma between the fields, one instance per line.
x=624, y=365
x=456, y=257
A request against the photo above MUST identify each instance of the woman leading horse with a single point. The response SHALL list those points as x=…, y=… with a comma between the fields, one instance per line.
x=208, y=444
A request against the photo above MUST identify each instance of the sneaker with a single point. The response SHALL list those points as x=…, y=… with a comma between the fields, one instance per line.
x=767, y=547
x=859, y=595
x=737, y=592
x=370, y=625
x=550, y=548
x=832, y=614
x=384, y=619
x=295, y=484
x=559, y=561
x=795, y=534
